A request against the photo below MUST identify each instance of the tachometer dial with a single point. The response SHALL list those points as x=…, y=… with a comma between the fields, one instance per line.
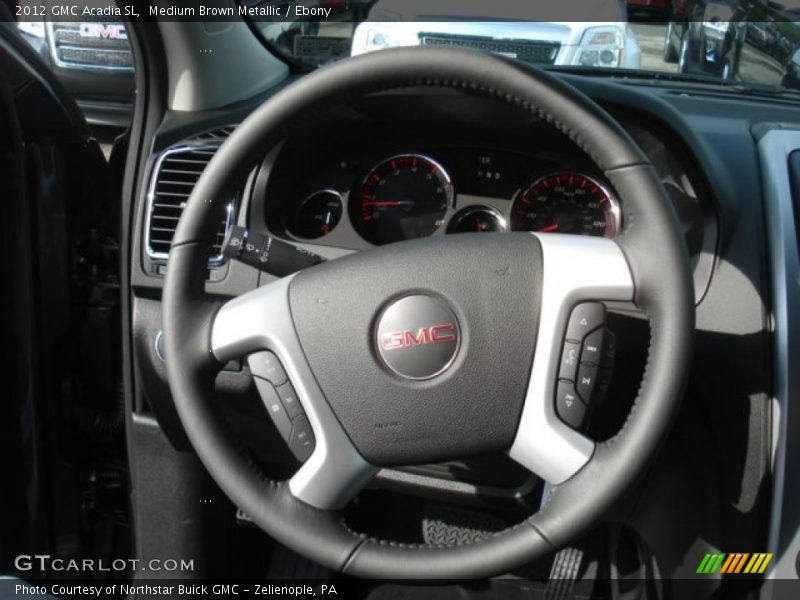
x=477, y=219
x=402, y=198
x=316, y=216
x=567, y=203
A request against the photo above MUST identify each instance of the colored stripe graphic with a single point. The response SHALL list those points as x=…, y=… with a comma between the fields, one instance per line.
x=734, y=563
x=758, y=564
x=710, y=563
x=727, y=566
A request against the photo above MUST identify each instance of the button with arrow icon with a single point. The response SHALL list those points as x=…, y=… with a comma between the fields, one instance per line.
x=569, y=407
x=585, y=318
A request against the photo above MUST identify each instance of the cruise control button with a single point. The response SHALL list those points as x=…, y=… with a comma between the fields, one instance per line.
x=267, y=366
x=275, y=408
x=569, y=361
x=593, y=347
x=569, y=408
x=290, y=402
x=302, y=441
x=585, y=318
x=587, y=376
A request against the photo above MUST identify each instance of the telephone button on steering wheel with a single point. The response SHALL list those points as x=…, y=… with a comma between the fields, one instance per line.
x=569, y=361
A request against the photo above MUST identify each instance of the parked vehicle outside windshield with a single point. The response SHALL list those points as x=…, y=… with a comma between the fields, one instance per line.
x=725, y=41
x=92, y=60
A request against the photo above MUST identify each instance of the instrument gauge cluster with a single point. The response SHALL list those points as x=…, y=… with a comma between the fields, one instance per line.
x=477, y=219
x=567, y=202
x=409, y=195
x=316, y=215
x=402, y=198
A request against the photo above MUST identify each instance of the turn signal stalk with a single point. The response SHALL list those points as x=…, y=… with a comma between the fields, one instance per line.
x=267, y=253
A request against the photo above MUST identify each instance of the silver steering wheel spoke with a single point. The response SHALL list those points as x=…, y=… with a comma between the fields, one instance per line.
x=262, y=320
x=575, y=270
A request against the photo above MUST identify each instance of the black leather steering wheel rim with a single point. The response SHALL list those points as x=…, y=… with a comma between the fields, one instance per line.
x=651, y=242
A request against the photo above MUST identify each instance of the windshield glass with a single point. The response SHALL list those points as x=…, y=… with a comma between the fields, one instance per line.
x=724, y=41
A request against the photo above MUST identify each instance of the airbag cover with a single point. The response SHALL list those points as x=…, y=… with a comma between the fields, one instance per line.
x=469, y=400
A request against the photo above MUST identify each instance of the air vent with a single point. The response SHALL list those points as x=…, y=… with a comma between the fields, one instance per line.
x=174, y=177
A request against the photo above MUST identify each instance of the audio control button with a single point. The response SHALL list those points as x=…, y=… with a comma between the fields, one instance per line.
x=302, y=441
x=267, y=366
x=569, y=407
x=275, y=408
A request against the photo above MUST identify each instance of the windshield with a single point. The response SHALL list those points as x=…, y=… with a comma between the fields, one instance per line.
x=724, y=41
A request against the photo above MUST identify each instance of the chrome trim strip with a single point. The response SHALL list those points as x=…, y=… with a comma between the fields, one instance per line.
x=161, y=257
x=576, y=269
x=453, y=486
x=262, y=320
x=774, y=149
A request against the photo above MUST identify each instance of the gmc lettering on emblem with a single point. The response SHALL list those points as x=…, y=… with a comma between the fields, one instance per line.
x=98, y=30
x=437, y=334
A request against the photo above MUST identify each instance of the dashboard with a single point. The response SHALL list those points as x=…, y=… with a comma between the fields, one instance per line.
x=360, y=179
x=314, y=190
x=407, y=165
x=446, y=191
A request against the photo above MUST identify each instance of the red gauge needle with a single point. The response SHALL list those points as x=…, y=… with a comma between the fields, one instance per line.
x=388, y=203
x=548, y=228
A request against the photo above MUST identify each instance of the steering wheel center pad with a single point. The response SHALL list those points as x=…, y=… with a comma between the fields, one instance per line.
x=490, y=284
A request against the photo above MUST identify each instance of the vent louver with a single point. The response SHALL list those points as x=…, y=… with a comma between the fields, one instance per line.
x=174, y=177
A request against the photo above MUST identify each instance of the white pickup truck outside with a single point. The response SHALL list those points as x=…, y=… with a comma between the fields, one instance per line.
x=510, y=27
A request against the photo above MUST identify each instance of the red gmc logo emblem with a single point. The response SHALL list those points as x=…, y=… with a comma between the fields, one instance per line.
x=438, y=334
x=409, y=345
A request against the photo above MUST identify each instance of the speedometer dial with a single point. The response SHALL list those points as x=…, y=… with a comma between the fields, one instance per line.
x=402, y=198
x=567, y=203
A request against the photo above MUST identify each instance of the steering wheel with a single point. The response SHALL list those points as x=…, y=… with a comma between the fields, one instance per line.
x=434, y=349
